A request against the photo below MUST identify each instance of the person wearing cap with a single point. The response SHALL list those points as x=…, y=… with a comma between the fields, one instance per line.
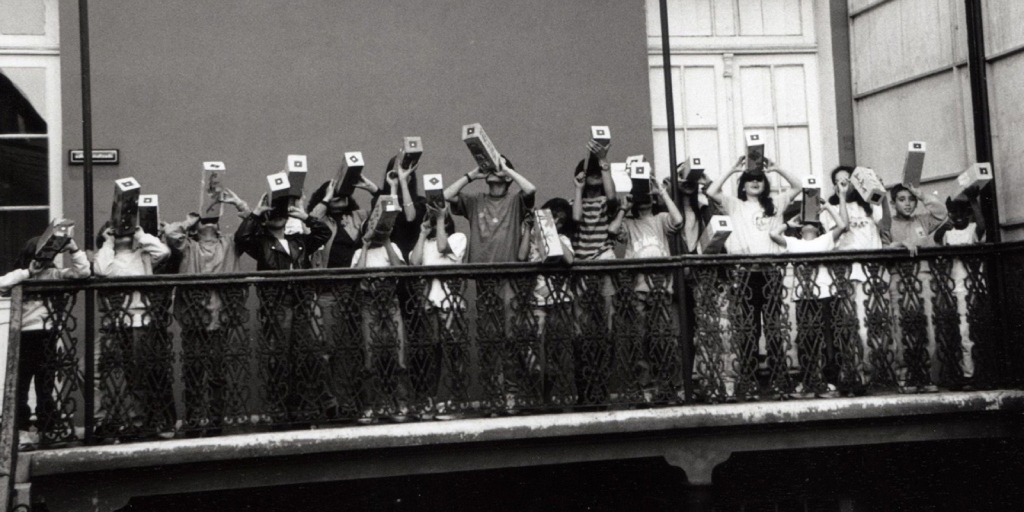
x=40, y=334
x=203, y=249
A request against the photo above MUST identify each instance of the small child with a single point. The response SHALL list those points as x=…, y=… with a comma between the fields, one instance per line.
x=909, y=228
x=40, y=332
x=960, y=230
x=551, y=306
x=813, y=296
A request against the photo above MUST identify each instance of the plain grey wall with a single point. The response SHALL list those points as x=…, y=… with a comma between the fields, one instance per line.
x=177, y=83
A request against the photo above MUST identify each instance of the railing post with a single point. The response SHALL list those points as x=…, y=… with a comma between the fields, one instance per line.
x=90, y=295
x=685, y=332
x=9, y=421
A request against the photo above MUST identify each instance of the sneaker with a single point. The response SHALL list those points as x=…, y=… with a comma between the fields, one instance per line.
x=27, y=440
x=831, y=392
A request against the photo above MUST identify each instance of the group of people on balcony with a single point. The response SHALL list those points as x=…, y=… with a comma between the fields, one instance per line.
x=330, y=231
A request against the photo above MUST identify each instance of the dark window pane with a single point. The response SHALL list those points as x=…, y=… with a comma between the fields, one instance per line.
x=17, y=228
x=16, y=113
x=23, y=172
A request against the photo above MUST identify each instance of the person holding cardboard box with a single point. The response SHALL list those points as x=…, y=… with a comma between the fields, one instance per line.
x=813, y=296
x=694, y=204
x=755, y=212
x=755, y=215
x=439, y=244
x=912, y=229
x=262, y=236
x=646, y=235
x=202, y=249
x=384, y=336
x=403, y=184
x=133, y=332
x=594, y=206
x=295, y=369
x=965, y=226
x=336, y=207
x=40, y=331
x=495, y=215
x=546, y=239
x=343, y=217
x=863, y=232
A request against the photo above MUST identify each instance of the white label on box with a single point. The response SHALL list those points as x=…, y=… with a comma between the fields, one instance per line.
x=297, y=163
x=354, y=159
x=126, y=184
x=546, y=235
x=214, y=166
x=811, y=182
x=695, y=163
x=148, y=200
x=867, y=184
x=620, y=178
x=601, y=134
x=640, y=170
x=633, y=160
x=916, y=146
x=755, y=139
x=978, y=174
x=278, y=182
x=433, y=182
x=712, y=241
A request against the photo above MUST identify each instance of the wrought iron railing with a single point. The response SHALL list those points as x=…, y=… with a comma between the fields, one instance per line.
x=202, y=355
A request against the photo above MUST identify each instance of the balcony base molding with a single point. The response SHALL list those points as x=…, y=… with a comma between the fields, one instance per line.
x=695, y=438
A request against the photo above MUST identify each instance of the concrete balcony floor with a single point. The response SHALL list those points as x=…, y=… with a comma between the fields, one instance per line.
x=695, y=438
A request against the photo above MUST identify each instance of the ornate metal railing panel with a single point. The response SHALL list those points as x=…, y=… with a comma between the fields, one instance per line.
x=180, y=356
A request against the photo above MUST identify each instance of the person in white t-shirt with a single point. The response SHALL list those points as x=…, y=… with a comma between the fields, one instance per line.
x=384, y=337
x=812, y=292
x=865, y=232
x=444, y=307
x=755, y=214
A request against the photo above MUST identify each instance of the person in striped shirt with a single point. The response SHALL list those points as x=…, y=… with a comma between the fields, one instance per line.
x=592, y=211
x=593, y=206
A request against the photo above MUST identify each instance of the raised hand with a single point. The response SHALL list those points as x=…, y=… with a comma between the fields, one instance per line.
x=599, y=150
x=580, y=179
x=297, y=212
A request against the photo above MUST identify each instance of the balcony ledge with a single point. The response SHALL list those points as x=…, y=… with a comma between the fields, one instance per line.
x=536, y=427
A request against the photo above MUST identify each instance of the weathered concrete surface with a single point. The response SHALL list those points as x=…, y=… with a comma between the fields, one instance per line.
x=513, y=428
x=696, y=438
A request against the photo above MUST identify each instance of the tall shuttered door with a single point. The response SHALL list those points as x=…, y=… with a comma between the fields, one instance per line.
x=738, y=67
x=30, y=152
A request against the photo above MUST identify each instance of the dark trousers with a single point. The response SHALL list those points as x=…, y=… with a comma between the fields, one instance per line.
x=36, y=362
x=203, y=367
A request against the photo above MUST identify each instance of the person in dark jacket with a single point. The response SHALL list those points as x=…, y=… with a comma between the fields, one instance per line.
x=297, y=380
x=262, y=236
